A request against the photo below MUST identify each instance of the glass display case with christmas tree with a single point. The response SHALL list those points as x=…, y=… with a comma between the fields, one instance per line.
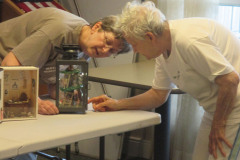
x=71, y=81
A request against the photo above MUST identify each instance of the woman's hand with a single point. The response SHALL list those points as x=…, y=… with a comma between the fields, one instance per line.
x=216, y=140
x=104, y=103
x=46, y=107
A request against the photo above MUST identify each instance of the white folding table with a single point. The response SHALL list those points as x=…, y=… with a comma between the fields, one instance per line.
x=49, y=131
x=139, y=76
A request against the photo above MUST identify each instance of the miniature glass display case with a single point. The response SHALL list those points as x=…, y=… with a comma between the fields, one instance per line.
x=71, y=81
x=19, y=93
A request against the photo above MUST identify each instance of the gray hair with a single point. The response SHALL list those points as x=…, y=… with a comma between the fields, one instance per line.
x=109, y=24
x=138, y=18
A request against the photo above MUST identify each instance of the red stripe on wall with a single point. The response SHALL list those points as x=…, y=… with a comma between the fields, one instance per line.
x=23, y=6
x=44, y=4
x=57, y=5
x=34, y=4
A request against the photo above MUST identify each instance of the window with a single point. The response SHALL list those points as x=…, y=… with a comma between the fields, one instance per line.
x=229, y=15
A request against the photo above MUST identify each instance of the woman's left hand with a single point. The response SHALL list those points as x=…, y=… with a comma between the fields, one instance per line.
x=216, y=140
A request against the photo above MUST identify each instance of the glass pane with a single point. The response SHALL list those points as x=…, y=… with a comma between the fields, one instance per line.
x=19, y=94
x=70, y=86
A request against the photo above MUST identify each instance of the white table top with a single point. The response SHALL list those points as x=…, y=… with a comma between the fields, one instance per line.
x=19, y=137
x=135, y=75
x=139, y=75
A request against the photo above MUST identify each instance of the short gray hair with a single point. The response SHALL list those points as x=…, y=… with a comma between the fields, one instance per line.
x=138, y=18
x=109, y=24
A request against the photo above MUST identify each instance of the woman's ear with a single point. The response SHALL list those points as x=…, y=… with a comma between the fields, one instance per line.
x=150, y=36
x=96, y=27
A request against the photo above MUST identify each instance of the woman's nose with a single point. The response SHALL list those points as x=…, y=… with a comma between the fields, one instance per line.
x=106, y=50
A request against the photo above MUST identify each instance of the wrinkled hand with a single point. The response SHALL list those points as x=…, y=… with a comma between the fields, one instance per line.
x=103, y=103
x=46, y=107
x=216, y=140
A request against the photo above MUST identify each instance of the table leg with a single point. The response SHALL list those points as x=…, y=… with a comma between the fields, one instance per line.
x=162, y=133
x=102, y=148
x=68, y=152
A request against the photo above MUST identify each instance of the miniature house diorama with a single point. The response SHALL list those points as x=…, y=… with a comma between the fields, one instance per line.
x=71, y=80
x=19, y=93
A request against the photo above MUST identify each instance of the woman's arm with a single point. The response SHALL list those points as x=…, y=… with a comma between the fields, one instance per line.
x=228, y=85
x=148, y=100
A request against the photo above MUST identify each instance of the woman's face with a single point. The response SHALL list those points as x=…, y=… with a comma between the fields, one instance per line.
x=151, y=46
x=101, y=43
x=143, y=47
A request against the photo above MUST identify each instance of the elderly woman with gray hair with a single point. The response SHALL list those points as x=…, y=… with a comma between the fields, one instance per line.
x=200, y=57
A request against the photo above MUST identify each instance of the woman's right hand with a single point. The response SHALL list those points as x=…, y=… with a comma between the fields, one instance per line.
x=104, y=103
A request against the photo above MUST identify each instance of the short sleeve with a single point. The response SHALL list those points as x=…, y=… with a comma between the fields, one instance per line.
x=206, y=58
x=161, y=79
x=34, y=50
